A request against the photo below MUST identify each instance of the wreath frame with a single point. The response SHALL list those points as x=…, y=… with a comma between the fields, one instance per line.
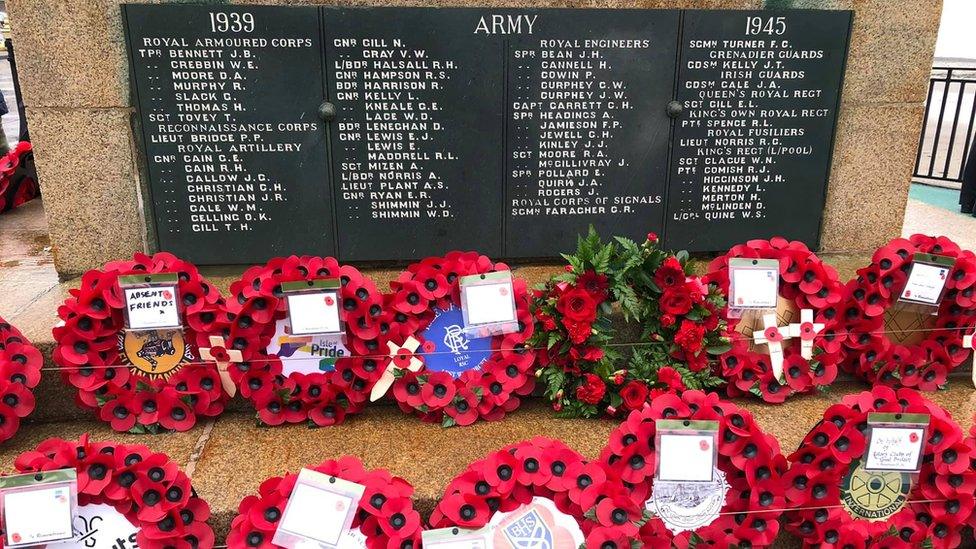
x=825, y=456
x=385, y=510
x=86, y=350
x=807, y=283
x=129, y=477
x=510, y=477
x=871, y=354
x=320, y=399
x=751, y=460
x=20, y=372
x=487, y=392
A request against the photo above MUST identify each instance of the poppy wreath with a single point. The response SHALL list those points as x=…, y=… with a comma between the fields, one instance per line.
x=750, y=459
x=682, y=333
x=141, y=383
x=509, y=478
x=497, y=370
x=18, y=180
x=936, y=348
x=20, y=372
x=146, y=487
x=938, y=504
x=338, y=388
x=386, y=517
x=805, y=282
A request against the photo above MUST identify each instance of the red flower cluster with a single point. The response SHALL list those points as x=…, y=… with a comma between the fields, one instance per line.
x=20, y=372
x=87, y=349
x=509, y=478
x=386, y=516
x=17, y=182
x=149, y=489
x=942, y=492
x=871, y=353
x=750, y=459
x=489, y=392
x=577, y=307
x=807, y=283
x=324, y=398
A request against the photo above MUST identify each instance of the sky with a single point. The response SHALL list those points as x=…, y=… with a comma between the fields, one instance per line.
x=956, y=36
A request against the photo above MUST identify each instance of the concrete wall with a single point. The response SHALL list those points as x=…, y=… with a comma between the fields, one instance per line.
x=74, y=77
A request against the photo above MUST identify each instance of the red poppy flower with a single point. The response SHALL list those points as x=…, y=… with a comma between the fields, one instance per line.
x=670, y=274
x=597, y=285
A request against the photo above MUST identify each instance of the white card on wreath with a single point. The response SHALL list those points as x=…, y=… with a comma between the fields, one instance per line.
x=150, y=308
x=314, y=313
x=319, y=512
x=456, y=538
x=490, y=303
x=925, y=283
x=894, y=448
x=686, y=457
x=38, y=515
x=754, y=288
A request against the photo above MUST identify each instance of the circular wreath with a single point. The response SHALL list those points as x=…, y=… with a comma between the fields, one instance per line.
x=681, y=330
x=937, y=506
x=935, y=345
x=805, y=282
x=20, y=372
x=341, y=387
x=147, y=488
x=386, y=517
x=750, y=459
x=495, y=371
x=509, y=478
x=91, y=341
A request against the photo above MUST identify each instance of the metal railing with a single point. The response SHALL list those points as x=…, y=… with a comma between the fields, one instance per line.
x=948, y=124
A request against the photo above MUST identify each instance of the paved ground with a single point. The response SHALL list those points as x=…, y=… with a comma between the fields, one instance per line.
x=11, y=121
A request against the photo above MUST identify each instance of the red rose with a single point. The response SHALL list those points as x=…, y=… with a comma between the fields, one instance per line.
x=652, y=237
x=670, y=273
x=667, y=320
x=670, y=377
x=595, y=284
x=548, y=323
x=690, y=336
x=675, y=301
x=578, y=331
x=577, y=305
x=592, y=389
x=634, y=394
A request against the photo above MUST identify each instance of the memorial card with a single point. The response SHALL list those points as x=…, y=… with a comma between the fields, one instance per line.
x=686, y=450
x=488, y=304
x=38, y=508
x=536, y=524
x=753, y=283
x=927, y=279
x=313, y=307
x=456, y=538
x=151, y=301
x=895, y=442
x=319, y=512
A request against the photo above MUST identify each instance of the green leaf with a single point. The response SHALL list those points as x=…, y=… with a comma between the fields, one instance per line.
x=718, y=349
x=448, y=421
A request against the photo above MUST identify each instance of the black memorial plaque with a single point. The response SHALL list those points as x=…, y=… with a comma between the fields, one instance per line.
x=236, y=155
x=417, y=139
x=587, y=128
x=751, y=150
x=397, y=133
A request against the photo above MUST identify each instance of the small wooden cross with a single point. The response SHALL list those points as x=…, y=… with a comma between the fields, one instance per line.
x=773, y=336
x=806, y=330
x=223, y=357
x=404, y=354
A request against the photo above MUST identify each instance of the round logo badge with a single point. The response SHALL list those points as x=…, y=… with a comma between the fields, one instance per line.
x=686, y=506
x=874, y=495
x=454, y=352
x=154, y=353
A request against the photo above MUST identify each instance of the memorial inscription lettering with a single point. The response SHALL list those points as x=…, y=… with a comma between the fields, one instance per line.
x=396, y=133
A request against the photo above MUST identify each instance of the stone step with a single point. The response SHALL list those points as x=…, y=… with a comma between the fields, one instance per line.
x=230, y=456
